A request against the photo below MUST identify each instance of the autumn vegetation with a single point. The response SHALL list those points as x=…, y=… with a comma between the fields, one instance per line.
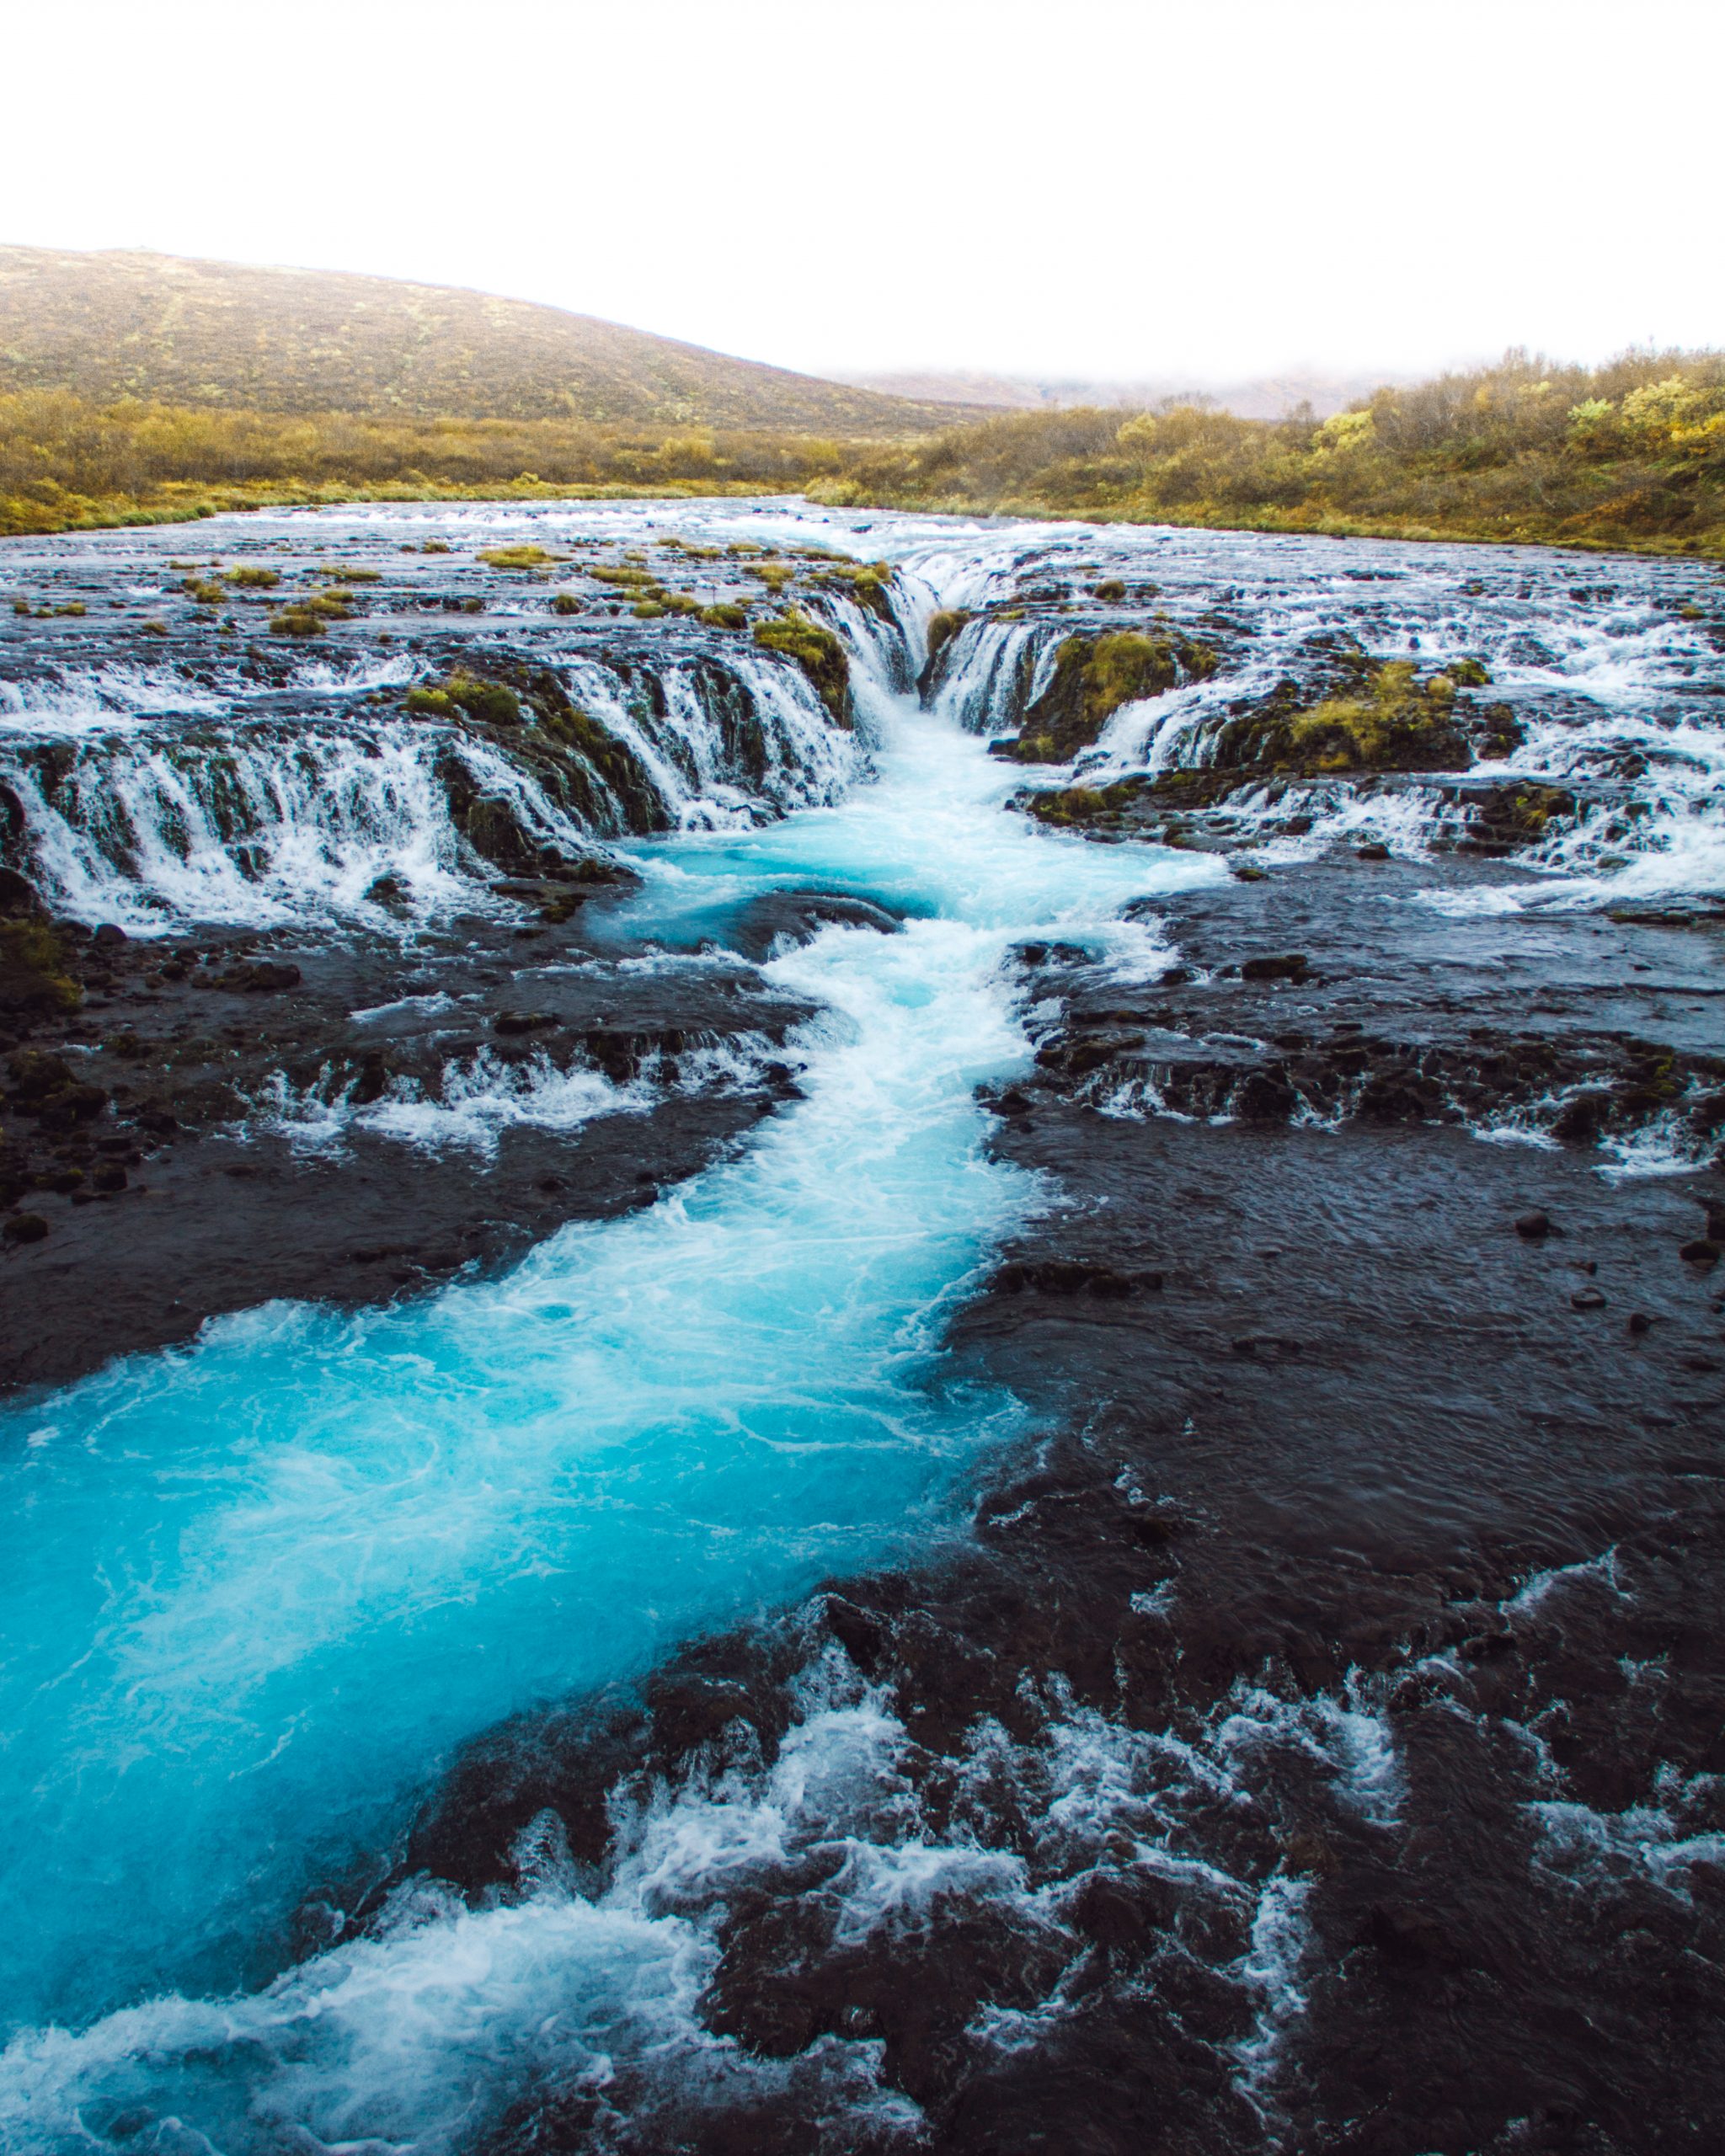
x=1628, y=456
x=1631, y=455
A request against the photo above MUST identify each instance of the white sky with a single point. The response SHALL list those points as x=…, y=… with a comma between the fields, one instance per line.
x=1089, y=188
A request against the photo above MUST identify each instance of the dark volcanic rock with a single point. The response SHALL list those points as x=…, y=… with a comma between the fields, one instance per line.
x=163, y=1134
x=1311, y=1617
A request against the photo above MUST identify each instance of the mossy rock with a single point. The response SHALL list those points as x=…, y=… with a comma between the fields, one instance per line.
x=1400, y=723
x=1370, y=716
x=1080, y=807
x=567, y=602
x=488, y=704
x=1516, y=814
x=869, y=582
x=594, y=777
x=942, y=627
x=1095, y=676
x=818, y=652
x=296, y=621
x=491, y=703
x=722, y=615
x=253, y=579
x=1111, y=591
x=34, y=975
x=493, y=828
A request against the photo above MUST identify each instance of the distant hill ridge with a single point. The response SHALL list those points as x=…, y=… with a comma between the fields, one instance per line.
x=1262, y=396
x=121, y=324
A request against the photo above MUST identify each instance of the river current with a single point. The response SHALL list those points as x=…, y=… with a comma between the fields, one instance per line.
x=254, y=1594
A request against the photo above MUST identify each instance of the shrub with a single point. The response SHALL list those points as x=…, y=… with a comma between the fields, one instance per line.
x=253, y=579
x=297, y=621
x=724, y=615
x=1111, y=591
x=567, y=602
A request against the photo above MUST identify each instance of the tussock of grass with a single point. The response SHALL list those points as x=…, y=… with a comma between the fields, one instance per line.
x=516, y=557
x=625, y=574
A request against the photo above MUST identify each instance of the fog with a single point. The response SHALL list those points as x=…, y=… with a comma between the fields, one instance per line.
x=1094, y=191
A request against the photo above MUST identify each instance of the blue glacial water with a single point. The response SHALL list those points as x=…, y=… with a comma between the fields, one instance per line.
x=252, y=1595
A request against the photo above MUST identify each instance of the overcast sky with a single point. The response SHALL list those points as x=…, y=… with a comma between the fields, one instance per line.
x=1088, y=188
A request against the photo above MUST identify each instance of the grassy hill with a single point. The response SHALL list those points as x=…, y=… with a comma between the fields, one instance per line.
x=156, y=328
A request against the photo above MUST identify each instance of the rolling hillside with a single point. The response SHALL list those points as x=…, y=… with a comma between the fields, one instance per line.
x=117, y=325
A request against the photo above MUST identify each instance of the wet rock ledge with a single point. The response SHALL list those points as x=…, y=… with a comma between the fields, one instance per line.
x=199, y=1124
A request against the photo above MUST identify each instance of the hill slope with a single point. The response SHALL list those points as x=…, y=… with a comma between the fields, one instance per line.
x=120, y=324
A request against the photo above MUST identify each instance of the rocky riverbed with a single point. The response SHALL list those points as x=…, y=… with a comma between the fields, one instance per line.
x=1271, y=1105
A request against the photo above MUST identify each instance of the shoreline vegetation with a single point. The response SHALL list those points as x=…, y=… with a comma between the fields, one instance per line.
x=1626, y=457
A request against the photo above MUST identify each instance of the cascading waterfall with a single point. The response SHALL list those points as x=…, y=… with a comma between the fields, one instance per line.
x=256, y=1593
x=200, y=810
